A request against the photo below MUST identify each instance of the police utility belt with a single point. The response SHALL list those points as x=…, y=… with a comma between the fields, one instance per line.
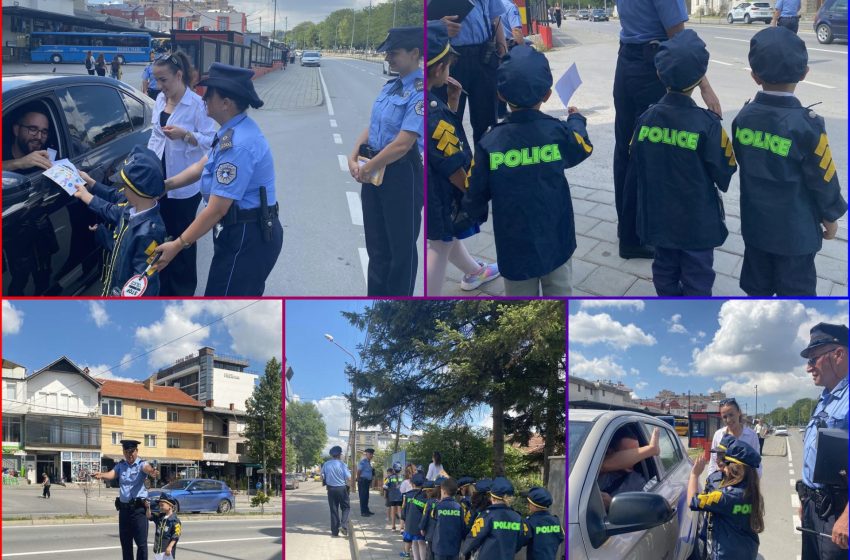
x=646, y=50
x=132, y=504
x=829, y=501
x=264, y=216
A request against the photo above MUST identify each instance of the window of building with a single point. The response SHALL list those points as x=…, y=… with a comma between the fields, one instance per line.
x=241, y=449
x=150, y=440
x=117, y=437
x=11, y=429
x=11, y=392
x=173, y=443
x=208, y=424
x=148, y=414
x=172, y=416
x=110, y=407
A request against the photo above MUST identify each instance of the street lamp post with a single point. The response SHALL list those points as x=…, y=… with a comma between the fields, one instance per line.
x=353, y=430
x=757, y=401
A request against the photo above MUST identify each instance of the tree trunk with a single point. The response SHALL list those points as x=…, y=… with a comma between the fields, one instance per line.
x=398, y=431
x=498, y=427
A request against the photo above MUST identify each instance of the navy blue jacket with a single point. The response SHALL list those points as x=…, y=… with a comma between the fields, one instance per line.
x=679, y=152
x=545, y=536
x=497, y=533
x=426, y=524
x=104, y=233
x=733, y=538
x=444, y=520
x=167, y=529
x=519, y=165
x=788, y=182
x=412, y=506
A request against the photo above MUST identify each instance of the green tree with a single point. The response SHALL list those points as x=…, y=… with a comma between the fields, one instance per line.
x=263, y=427
x=306, y=429
x=465, y=450
x=290, y=456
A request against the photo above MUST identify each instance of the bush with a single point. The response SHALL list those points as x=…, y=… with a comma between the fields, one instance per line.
x=259, y=499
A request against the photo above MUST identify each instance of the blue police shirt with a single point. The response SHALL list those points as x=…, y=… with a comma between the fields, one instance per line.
x=239, y=163
x=643, y=21
x=830, y=412
x=510, y=19
x=365, y=468
x=475, y=27
x=399, y=106
x=335, y=472
x=147, y=74
x=787, y=8
x=131, y=480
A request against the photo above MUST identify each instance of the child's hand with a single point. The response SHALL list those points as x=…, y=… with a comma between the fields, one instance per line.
x=83, y=195
x=571, y=110
x=85, y=176
x=699, y=465
x=830, y=229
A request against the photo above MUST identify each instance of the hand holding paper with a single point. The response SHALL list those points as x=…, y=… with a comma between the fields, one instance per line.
x=64, y=174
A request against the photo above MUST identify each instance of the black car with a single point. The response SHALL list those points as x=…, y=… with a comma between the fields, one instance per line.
x=831, y=21
x=598, y=15
x=48, y=248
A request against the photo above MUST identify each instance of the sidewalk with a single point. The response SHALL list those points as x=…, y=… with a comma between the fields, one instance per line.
x=295, y=88
x=370, y=537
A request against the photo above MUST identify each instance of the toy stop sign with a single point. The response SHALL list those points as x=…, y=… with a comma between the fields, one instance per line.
x=135, y=286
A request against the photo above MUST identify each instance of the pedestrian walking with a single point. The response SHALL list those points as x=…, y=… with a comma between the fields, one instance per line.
x=364, y=476
x=761, y=431
x=90, y=63
x=45, y=486
x=786, y=13
x=131, y=502
x=558, y=16
x=386, y=160
x=115, y=67
x=100, y=65
x=336, y=477
x=237, y=183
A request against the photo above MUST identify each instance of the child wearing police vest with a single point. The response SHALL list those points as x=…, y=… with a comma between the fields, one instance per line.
x=545, y=533
x=790, y=196
x=443, y=522
x=426, y=529
x=168, y=527
x=412, y=506
x=736, y=506
x=465, y=489
x=139, y=228
x=392, y=492
x=519, y=165
x=680, y=157
x=498, y=531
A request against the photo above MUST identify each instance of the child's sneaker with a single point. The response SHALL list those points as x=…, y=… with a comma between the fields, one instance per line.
x=487, y=273
x=404, y=554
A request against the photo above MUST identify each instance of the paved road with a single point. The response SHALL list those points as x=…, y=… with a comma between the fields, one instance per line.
x=308, y=533
x=780, y=538
x=233, y=539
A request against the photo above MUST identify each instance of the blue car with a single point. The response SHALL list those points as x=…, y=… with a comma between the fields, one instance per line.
x=196, y=495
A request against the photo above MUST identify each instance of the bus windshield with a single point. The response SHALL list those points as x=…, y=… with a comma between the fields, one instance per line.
x=73, y=47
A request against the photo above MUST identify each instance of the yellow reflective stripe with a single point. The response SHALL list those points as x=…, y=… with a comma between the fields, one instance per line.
x=447, y=142
x=439, y=56
x=582, y=143
x=727, y=145
x=826, y=162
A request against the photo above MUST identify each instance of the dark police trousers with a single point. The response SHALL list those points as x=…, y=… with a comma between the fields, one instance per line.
x=479, y=80
x=243, y=260
x=363, y=492
x=133, y=526
x=636, y=87
x=766, y=274
x=338, y=500
x=790, y=23
x=821, y=548
x=679, y=272
x=180, y=278
x=392, y=216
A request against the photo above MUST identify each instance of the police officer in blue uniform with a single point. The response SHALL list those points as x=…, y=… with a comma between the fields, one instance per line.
x=679, y=152
x=238, y=186
x=545, y=533
x=645, y=23
x=336, y=477
x=785, y=14
x=498, y=531
x=131, y=473
x=391, y=148
x=365, y=473
x=823, y=508
x=790, y=196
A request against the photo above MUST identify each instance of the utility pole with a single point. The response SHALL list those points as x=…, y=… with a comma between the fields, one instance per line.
x=274, y=21
x=395, y=5
x=172, y=18
x=757, y=401
x=353, y=25
x=368, y=25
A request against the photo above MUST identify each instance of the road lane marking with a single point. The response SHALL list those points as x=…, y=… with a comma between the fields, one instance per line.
x=731, y=39
x=333, y=123
x=327, y=95
x=355, y=208
x=337, y=139
x=793, y=482
x=795, y=522
x=364, y=263
x=791, y=472
x=343, y=162
x=790, y=457
x=795, y=501
x=826, y=50
x=817, y=84
x=719, y=62
x=45, y=552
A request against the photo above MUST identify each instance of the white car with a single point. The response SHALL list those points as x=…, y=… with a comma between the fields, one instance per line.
x=781, y=431
x=749, y=12
x=311, y=58
x=387, y=70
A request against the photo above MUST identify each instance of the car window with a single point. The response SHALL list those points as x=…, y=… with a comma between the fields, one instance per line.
x=176, y=485
x=95, y=115
x=578, y=431
x=671, y=453
x=136, y=110
x=206, y=485
x=840, y=5
x=44, y=105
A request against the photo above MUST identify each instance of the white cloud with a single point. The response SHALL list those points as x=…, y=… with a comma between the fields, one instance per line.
x=13, y=318
x=676, y=325
x=595, y=368
x=641, y=385
x=701, y=334
x=174, y=323
x=636, y=304
x=97, y=311
x=334, y=410
x=592, y=329
x=787, y=387
x=668, y=366
x=125, y=361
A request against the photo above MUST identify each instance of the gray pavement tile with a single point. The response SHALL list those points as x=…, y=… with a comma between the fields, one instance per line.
x=606, y=197
x=641, y=268
x=726, y=286
x=733, y=224
x=584, y=223
x=605, y=253
x=581, y=270
x=582, y=206
x=839, y=290
x=726, y=263
x=604, y=212
x=577, y=192
x=734, y=244
x=583, y=246
x=607, y=281
x=824, y=287
x=604, y=231
x=641, y=288
x=831, y=269
x=835, y=250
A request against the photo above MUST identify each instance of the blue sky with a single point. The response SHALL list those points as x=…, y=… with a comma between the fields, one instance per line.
x=103, y=334
x=700, y=345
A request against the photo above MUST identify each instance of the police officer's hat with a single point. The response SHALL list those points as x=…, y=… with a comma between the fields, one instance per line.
x=129, y=444
x=724, y=444
x=141, y=172
x=417, y=479
x=682, y=61
x=166, y=497
x=741, y=453
x=778, y=56
x=428, y=484
x=524, y=77
x=336, y=451
x=438, y=42
x=407, y=38
x=825, y=333
x=464, y=481
x=539, y=497
x=501, y=486
x=483, y=485
x=234, y=82
x=369, y=450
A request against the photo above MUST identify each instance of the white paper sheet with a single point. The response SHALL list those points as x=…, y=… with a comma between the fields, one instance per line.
x=64, y=174
x=568, y=84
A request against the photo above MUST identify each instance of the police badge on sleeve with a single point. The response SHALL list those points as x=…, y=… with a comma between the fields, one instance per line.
x=225, y=173
x=420, y=107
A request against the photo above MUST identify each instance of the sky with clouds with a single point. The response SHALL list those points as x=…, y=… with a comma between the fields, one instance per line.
x=296, y=12
x=114, y=338
x=700, y=345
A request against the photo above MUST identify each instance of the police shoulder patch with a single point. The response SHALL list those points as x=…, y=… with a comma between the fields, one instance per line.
x=226, y=140
x=419, y=84
x=420, y=107
x=225, y=173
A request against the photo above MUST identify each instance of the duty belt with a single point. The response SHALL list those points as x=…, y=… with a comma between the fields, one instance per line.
x=809, y=493
x=236, y=216
x=132, y=504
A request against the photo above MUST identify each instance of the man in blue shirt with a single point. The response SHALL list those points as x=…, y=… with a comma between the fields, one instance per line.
x=365, y=473
x=785, y=14
x=823, y=508
x=336, y=477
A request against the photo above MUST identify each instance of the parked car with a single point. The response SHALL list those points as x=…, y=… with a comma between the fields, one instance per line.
x=301, y=477
x=291, y=481
x=781, y=431
x=802, y=429
x=831, y=21
x=749, y=12
x=583, y=14
x=311, y=58
x=48, y=249
x=198, y=494
x=387, y=71
x=598, y=15
x=647, y=525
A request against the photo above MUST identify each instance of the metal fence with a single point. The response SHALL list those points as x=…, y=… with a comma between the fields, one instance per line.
x=260, y=55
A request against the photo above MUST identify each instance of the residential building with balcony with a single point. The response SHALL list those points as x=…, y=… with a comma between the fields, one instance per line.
x=225, y=446
x=14, y=410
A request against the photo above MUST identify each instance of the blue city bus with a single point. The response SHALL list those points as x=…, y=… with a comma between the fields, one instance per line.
x=72, y=47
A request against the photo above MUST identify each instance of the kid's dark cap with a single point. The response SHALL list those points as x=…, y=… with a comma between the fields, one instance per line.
x=539, y=497
x=501, y=487
x=524, y=77
x=141, y=172
x=741, y=453
x=778, y=56
x=682, y=61
x=724, y=444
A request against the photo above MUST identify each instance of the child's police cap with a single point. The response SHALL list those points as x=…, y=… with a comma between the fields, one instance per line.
x=166, y=497
x=407, y=38
x=724, y=444
x=234, y=82
x=539, y=497
x=369, y=450
x=742, y=454
x=397, y=466
x=682, y=61
x=438, y=42
x=428, y=484
x=335, y=450
x=129, y=443
x=464, y=481
x=141, y=172
x=524, y=77
x=501, y=486
x=825, y=333
x=418, y=479
x=483, y=485
x=778, y=56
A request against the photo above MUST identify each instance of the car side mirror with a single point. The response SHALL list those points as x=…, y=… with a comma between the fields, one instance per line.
x=16, y=188
x=637, y=511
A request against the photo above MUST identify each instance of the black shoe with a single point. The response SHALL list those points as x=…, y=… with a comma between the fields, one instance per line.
x=344, y=531
x=636, y=252
x=335, y=534
x=367, y=514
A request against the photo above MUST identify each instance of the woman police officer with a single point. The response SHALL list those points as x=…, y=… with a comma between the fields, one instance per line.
x=238, y=186
x=392, y=210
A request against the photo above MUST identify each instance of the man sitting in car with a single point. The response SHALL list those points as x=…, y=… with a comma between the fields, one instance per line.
x=25, y=153
x=617, y=474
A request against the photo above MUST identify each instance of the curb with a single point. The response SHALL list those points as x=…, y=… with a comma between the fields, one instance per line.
x=352, y=540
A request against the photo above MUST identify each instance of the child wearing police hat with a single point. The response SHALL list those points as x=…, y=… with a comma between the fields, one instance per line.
x=680, y=157
x=498, y=530
x=392, y=491
x=168, y=526
x=412, y=507
x=443, y=522
x=736, y=506
x=790, y=196
x=139, y=228
x=426, y=528
x=545, y=533
x=519, y=165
